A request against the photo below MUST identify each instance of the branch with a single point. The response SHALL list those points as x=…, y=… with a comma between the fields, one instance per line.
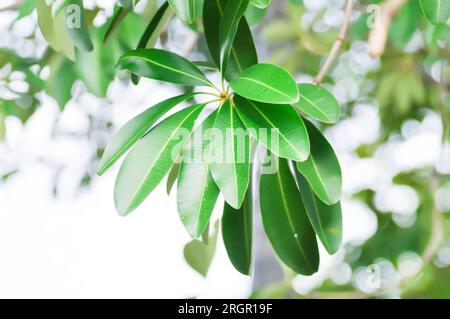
x=379, y=34
x=337, y=44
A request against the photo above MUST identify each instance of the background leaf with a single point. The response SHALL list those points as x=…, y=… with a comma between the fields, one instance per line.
x=76, y=25
x=437, y=11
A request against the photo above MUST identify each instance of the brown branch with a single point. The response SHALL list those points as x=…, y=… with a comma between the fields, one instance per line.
x=337, y=44
x=379, y=34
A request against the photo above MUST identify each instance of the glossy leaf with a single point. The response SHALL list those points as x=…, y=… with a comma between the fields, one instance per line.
x=322, y=169
x=184, y=9
x=286, y=222
x=200, y=254
x=134, y=129
x=437, y=11
x=197, y=193
x=260, y=3
x=163, y=65
x=151, y=159
x=237, y=227
x=232, y=14
x=76, y=24
x=266, y=83
x=326, y=220
x=231, y=166
x=278, y=127
x=318, y=103
x=243, y=52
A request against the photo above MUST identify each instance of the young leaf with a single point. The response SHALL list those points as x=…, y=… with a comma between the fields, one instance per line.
x=76, y=25
x=322, y=169
x=150, y=159
x=231, y=166
x=261, y=4
x=184, y=9
x=286, y=222
x=134, y=129
x=326, y=220
x=200, y=254
x=233, y=13
x=437, y=11
x=243, y=52
x=197, y=193
x=318, y=103
x=164, y=66
x=237, y=225
x=278, y=127
x=266, y=83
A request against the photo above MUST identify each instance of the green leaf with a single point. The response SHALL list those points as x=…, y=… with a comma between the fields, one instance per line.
x=318, y=103
x=128, y=5
x=184, y=9
x=26, y=8
x=231, y=166
x=151, y=159
x=232, y=15
x=172, y=177
x=266, y=83
x=197, y=193
x=54, y=30
x=59, y=83
x=437, y=11
x=116, y=20
x=199, y=254
x=322, y=169
x=243, y=52
x=164, y=66
x=237, y=225
x=286, y=222
x=134, y=129
x=326, y=220
x=261, y=4
x=76, y=25
x=278, y=127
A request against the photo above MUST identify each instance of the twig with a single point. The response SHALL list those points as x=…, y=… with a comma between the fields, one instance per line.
x=379, y=34
x=337, y=44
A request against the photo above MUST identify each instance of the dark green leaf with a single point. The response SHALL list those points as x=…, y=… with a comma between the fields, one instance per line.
x=163, y=65
x=266, y=83
x=318, y=103
x=172, y=177
x=322, y=169
x=278, y=127
x=326, y=220
x=134, y=129
x=286, y=222
x=151, y=159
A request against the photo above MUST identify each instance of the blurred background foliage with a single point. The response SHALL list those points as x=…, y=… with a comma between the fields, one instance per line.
x=392, y=140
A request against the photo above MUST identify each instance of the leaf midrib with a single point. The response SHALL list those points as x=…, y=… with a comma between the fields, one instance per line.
x=316, y=107
x=266, y=86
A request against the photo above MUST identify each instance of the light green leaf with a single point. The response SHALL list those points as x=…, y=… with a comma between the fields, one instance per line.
x=116, y=20
x=266, y=83
x=437, y=11
x=243, y=52
x=237, y=226
x=134, y=129
x=199, y=254
x=54, y=30
x=261, y=4
x=232, y=15
x=197, y=193
x=163, y=65
x=318, y=103
x=59, y=83
x=322, y=169
x=326, y=220
x=76, y=24
x=231, y=166
x=184, y=9
x=151, y=159
x=286, y=222
x=278, y=127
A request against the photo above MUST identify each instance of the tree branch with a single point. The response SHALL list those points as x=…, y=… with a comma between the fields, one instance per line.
x=337, y=44
x=379, y=34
